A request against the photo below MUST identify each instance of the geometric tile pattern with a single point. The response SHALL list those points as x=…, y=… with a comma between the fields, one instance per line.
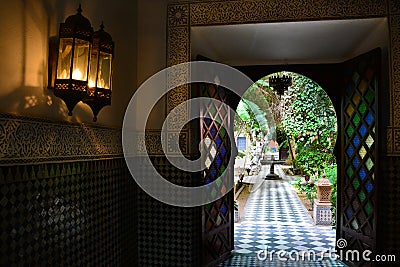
x=167, y=234
x=67, y=214
x=360, y=150
x=276, y=219
x=216, y=218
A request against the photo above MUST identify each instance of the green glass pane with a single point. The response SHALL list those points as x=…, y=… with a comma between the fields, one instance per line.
x=354, y=224
x=350, y=171
x=213, y=193
x=356, y=120
x=218, y=182
x=362, y=108
x=350, y=131
x=370, y=96
x=223, y=131
x=356, y=184
x=368, y=209
x=369, y=164
x=213, y=110
x=361, y=196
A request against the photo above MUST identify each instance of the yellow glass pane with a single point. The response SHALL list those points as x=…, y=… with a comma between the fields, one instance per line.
x=356, y=99
x=363, y=86
x=362, y=152
x=350, y=110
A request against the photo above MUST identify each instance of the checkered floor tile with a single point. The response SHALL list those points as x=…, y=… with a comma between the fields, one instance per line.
x=276, y=220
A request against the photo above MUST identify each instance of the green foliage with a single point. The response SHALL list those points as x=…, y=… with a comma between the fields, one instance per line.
x=312, y=161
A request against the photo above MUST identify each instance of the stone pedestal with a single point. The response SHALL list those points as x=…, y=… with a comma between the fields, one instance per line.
x=322, y=212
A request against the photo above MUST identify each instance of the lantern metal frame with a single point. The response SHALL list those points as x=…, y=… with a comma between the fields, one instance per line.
x=67, y=86
x=99, y=95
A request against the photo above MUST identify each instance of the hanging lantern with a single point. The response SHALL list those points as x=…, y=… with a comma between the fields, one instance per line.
x=280, y=84
x=100, y=70
x=71, y=69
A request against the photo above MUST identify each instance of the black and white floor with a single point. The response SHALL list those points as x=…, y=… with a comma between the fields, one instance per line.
x=276, y=230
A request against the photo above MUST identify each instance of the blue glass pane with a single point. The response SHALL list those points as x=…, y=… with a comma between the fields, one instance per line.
x=349, y=212
x=218, y=141
x=350, y=151
x=207, y=121
x=369, y=119
x=213, y=173
x=356, y=162
x=222, y=151
x=218, y=161
x=369, y=186
x=362, y=174
x=362, y=130
x=223, y=209
x=208, y=181
x=356, y=141
x=213, y=131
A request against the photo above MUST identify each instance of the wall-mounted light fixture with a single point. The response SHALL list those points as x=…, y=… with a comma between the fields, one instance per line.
x=80, y=64
x=99, y=91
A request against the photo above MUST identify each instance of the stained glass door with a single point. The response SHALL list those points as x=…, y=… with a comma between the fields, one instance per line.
x=217, y=222
x=358, y=178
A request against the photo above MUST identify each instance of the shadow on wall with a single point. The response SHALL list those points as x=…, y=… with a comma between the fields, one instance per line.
x=37, y=22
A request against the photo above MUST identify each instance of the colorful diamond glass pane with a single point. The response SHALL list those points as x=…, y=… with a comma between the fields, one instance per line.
x=362, y=130
x=350, y=131
x=356, y=141
x=362, y=152
x=356, y=162
x=356, y=184
x=354, y=224
x=350, y=110
x=350, y=171
x=361, y=196
x=369, y=119
x=213, y=110
x=213, y=131
x=356, y=99
x=369, y=141
x=218, y=161
x=368, y=186
x=350, y=151
x=213, y=173
x=369, y=96
x=368, y=209
x=369, y=164
x=222, y=151
x=362, y=108
x=218, y=141
x=356, y=120
x=362, y=174
x=223, y=132
x=349, y=212
x=362, y=86
x=223, y=209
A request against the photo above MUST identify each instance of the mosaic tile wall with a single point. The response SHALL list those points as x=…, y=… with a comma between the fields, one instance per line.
x=67, y=214
x=388, y=211
x=168, y=235
x=66, y=195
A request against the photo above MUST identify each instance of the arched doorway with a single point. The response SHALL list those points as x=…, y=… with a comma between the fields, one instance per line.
x=355, y=103
x=274, y=218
